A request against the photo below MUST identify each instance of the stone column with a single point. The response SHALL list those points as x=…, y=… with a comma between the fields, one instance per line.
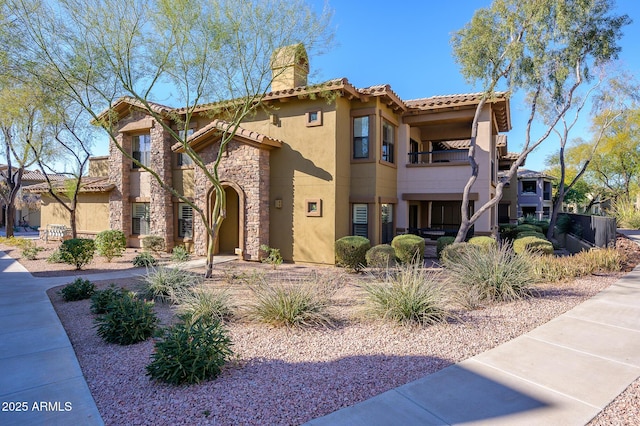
x=161, y=205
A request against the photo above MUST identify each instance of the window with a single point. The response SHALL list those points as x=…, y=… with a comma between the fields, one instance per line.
x=388, y=141
x=361, y=137
x=360, y=220
x=183, y=157
x=141, y=149
x=185, y=221
x=546, y=193
x=140, y=219
x=529, y=187
x=314, y=118
x=387, y=223
x=414, y=147
x=314, y=207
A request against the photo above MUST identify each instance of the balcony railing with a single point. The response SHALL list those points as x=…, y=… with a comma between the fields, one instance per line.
x=432, y=157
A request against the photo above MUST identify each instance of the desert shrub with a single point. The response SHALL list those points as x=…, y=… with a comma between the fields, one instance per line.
x=80, y=289
x=564, y=224
x=381, y=256
x=18, y=242
x=180, y=254
x=508, y=232
x=443, y=242
x=494, y=274
x=154, y=243
x=101, y=299
x=203, y=303
x=536, y=234
x=128, y=320
x=190, y=353
x=528, y=227
x=409, y=248
x=602, y=259
x=144, y=259
x=77, y=251
x=411, y=295
x=55, y=257
x=552, y=269
x=483, y=241
x=273, y=256
x=162, y=283
x=626, y=213
x=533, y=245
x=453, y=253
x=292, y=304
x=351, y=252
x=31, y=253
x=110, y=243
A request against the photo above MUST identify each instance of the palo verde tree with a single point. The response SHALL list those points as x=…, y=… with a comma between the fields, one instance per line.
x=544, y=47
x=197, y=52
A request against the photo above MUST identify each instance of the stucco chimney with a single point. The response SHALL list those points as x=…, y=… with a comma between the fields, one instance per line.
x=289, y=67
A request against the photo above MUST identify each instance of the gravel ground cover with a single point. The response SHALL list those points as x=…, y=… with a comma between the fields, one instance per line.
x=289, y=376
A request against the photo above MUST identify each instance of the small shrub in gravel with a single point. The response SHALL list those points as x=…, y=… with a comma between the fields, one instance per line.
x=494, y=274
x=110, y=243
x=292, y=304
x=101, y=299
x=273, y=256
x=153, y=243
x=180, y=254
x=128, y=320
x=411, y=295
x=80, y=289
x=409, y=248
x=351, y=252
x=77, y=251
x=55, y=257
x=162, y=283
x=144, y=259
x=31, y=253
x=203, y=303
x=190, y=353
x=382, y=256
x=532, y=245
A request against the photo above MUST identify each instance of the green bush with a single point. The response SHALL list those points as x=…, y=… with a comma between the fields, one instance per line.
x=128, y=320
x=203, y=303
x=80, y=289
x=626, y=213
x=273, y=257
x=77, y=251
x=293, y=304
x=453, y=253
x=180, y=254
x=526, y=227
x=153, y=243
x=110, y=243
x=55, y=257
x=525, y=234
x=443, y=242
x=381, y=256
x=564, y=224
x=483, y=242
x=351, y=252
x=31, y=253
x=190, y=353
x=409, y=248
x=532, y=245
x=144, y=259
x=412, y=295
x=102, y=299
x=494, y=274
x=162, y=283
x=508, y=232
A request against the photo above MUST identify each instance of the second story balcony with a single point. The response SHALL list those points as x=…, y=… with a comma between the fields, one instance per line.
x=439, y=157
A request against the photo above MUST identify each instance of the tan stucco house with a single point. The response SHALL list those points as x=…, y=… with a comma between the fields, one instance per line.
x=319, y=162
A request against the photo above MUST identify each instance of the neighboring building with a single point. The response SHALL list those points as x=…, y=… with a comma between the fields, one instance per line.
x=316, y=164
x=531, y=196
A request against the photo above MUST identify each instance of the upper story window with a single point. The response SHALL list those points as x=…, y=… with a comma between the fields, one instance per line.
x=529, y=187
x=361, y=137
x=141, y=149
x=388, y=142
x=183, y=158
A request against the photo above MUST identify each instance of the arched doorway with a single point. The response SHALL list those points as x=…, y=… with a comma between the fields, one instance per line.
x=231, y=232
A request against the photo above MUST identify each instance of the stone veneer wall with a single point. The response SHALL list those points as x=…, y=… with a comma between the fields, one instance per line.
x=119, y=171
x=246, y=167
x=161, y=205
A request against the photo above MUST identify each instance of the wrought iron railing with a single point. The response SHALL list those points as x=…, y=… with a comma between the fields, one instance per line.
x=446, y=156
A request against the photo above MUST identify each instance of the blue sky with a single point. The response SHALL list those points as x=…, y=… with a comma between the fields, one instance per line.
x=406, y=44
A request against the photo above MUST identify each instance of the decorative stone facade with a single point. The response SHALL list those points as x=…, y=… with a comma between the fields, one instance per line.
x=161, y=205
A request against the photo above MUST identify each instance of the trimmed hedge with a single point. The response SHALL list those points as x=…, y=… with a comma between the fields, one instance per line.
x=483, y=241
x=351, y=252
x=381, y=256
x=533, y=245
x=453, y=253
x=409, y=248
x=443, y=242
x=528, y=227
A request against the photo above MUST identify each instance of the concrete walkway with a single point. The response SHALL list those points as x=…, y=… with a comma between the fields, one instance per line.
x=562, y=373
x=40, y=379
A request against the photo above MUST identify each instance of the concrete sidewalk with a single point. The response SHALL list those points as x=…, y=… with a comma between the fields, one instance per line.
x=562, y=373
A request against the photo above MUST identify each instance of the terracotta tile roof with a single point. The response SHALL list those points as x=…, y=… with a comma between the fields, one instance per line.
x=89, y=184
x=532, y=174
x=33, y=175
x=214, y=128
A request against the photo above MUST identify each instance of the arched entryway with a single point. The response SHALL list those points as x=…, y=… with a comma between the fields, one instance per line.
x=231, y=233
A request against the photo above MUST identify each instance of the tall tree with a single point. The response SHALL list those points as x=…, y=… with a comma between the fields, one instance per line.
x=544, y=47
x=199, y=51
